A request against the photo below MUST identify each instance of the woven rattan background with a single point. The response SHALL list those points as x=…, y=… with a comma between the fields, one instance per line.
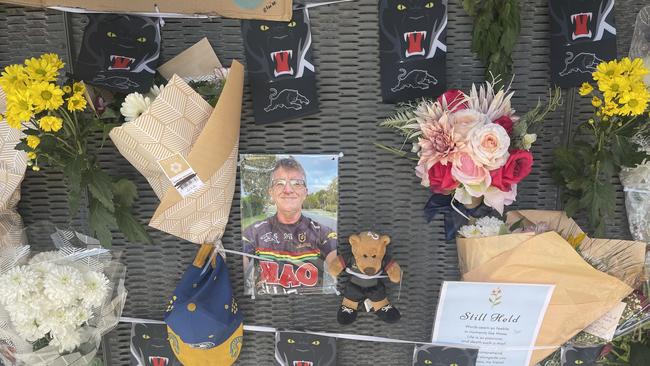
x=378, y=190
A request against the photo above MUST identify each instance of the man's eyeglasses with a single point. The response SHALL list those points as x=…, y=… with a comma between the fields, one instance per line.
x=296, y=184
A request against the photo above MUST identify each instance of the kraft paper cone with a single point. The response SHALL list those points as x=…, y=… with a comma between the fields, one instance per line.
x=582, y=294
x=623, y=259
x=195, y=62
x=202, y=216
x=12, y=171
x=472, y=252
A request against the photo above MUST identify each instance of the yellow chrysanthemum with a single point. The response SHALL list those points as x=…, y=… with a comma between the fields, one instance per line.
x=596, y=102
x=13, y=77
x=19, y=108
x=33, y=141
x=634, y=104
x=67, y=89
x=637, y=69
x=610, y=108
x=614, y=86
x=50, y=123
x=31, y=155
x=39, y=69
x=76, y=102
x=607, y=70
x=54, y=60
x=79, y=87
x=585, y=89
x=46, y=96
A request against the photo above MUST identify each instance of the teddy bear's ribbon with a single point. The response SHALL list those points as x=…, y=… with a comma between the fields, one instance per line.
x=455, y=216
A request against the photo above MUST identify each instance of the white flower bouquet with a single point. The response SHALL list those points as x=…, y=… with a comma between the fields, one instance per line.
x=56, y=305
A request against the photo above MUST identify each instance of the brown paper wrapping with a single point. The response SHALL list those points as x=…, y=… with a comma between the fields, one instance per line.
x=197, y=61
x=179, y=121
x=12, y=171
x=582, y=293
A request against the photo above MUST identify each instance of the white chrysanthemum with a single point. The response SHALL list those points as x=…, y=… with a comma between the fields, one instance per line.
x=46, y=257
x=490, y=226
x=79, y=315
x=469, y=231
x=29, y=330
x=66, y=341
x=63, y=285
x=134, y=105
x=155, y=91
x=95, y=288
x=17, y=283
x=221, y=73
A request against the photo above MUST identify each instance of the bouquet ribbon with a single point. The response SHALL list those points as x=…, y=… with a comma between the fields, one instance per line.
x=455, y=216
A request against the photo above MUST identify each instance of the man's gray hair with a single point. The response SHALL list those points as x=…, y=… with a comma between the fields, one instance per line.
x=289, y=164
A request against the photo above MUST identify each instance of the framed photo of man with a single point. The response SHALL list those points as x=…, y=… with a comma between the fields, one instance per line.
x=289, y=211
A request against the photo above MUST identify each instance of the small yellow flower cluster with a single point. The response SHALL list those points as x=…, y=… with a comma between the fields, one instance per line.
x=621, y=88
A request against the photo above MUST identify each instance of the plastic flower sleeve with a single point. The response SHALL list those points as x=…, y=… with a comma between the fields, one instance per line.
x=640, y=46
x=56, y=305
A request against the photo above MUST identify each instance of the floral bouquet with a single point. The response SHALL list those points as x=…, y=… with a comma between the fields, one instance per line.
x=472, y=149
x=56, y=133
x=605, y=142
x=58, y=304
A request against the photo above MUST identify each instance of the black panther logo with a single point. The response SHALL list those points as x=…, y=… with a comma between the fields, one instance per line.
x=150, y=347
x=430, y=355
x=287, y=99
x=415, y=79
x=303, y=349
x=584, y=356
x=584, y=62
x=279, y=50
x=583, y=20
x=118, y=47
x=413, y=27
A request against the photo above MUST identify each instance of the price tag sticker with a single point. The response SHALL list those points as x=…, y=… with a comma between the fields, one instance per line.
x=181, y=175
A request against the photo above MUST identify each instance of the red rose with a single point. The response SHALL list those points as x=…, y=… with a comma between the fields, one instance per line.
x=516, y=168
x=505, y=122
x=455, y=99
x=440, y=179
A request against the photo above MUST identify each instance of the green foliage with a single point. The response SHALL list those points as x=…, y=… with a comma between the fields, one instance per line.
x=495, y=33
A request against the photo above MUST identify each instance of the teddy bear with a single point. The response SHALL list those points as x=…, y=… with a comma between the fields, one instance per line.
x=367, y=267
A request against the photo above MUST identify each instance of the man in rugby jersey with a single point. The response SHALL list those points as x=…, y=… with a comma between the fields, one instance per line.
x=294, y=244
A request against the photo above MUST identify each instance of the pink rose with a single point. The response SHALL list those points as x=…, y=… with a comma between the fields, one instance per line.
x=455, y=100
x=474, y=177
x=516, y=168
x=489, y=145
x=440, y=179
x=505, y=122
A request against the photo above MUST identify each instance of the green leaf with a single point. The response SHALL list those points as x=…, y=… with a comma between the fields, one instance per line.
x=130, y=227
x=124, y=193
x=72, y=171
x=109, y=113
x=101, y=188
x=626, y=153
x=101, y=222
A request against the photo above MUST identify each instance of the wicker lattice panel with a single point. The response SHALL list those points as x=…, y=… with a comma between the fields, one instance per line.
x=377, y=190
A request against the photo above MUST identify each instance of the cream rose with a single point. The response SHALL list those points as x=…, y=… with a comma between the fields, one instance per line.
x=465, y=120
x=489, y=145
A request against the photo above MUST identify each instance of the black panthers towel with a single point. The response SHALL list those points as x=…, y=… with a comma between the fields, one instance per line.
x=119, y=52
x=280, y=68
x=304, y=349
x=412, y=49
x=430, y=355
x=583, y=34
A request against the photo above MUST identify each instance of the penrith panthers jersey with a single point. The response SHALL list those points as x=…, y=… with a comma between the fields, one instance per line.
x=294, y=254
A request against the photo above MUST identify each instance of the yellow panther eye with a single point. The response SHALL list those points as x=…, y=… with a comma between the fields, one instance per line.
x=291, y=24
x=290, y=341
x=315, y=343
x=264, y=27
x=141, y=39
x=111, y=35
x=453, y=364
x=146, y=336
x=428, y=362
x=579, y=362
x=429, y=5
x=401, y=7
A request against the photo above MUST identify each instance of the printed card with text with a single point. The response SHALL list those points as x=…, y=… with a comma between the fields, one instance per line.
x=412, y=49
x=583, y=34
x=501, y=319
x=280, y=68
